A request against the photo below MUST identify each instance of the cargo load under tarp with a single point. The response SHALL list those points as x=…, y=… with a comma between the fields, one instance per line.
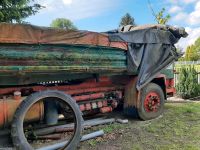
x=150, y=48
x=29, y=34
x=31, y=54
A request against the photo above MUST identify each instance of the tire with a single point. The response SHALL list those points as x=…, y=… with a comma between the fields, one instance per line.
x=19, y=140
x=151, y=102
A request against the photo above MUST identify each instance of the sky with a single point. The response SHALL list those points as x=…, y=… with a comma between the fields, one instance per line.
x=104, y=15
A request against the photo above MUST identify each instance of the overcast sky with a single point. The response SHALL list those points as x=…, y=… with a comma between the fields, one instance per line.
x=104, y=15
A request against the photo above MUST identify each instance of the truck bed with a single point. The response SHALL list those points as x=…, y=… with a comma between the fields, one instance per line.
x=24, y=63
x=31, y=54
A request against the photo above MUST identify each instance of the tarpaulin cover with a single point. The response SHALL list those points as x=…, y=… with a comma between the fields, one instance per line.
x=29, y=34
x=150, y=49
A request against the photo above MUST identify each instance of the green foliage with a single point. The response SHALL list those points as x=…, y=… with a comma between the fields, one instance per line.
x=192, y=52
x=63, y=23
x=187, y=86
x=181, y=84
x=92, y=142
x=127, y=19
x=160, y=18
x=12, y=11
x=197, y=47
x=181, y=59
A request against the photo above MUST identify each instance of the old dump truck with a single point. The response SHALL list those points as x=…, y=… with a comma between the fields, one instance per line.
x=51, y=77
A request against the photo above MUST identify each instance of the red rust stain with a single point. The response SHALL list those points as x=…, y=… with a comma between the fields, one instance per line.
x=89, y=97
x=106, y=109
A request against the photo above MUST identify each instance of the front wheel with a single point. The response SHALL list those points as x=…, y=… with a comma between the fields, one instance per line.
x=151, y=102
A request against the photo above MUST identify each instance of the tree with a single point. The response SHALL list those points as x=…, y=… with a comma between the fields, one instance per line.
x=188, y=54
x=181, y=89
x=160, y=18
x=127, y=20
x=63, y=23
x=17, y=10
x=192, y=81
x=197, y=46
x=187, y=86
x=192, y=52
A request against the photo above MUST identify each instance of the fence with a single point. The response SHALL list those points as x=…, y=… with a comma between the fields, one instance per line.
x=186, y=64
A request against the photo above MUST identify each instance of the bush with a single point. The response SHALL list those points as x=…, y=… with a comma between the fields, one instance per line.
x=187, y=86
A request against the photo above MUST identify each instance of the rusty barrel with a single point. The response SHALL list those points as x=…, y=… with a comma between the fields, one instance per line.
x=8, y=107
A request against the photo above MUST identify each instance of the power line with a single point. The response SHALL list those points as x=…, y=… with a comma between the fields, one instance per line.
x=150, y=6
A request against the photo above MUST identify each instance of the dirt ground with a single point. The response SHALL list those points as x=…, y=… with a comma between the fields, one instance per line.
x=177, y=129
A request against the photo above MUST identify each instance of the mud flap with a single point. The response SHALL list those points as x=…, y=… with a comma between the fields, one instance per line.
x=130, y=100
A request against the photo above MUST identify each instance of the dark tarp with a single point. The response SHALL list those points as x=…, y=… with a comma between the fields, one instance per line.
x=150, y=49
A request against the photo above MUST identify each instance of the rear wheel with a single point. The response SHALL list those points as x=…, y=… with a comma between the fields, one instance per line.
x=151, y=102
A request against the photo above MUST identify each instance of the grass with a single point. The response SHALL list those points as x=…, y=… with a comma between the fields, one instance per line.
x=92, y=142
x=112, y=127
x=178, y=129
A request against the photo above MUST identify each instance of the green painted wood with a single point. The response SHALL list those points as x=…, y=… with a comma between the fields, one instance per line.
x=18, y=60
x=169, y=74
x=66, y=55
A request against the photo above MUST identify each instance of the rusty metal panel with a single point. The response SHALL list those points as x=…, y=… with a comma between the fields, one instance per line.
x=104, y=84
x=26, y=64
x=131, y=94
x=9, y=106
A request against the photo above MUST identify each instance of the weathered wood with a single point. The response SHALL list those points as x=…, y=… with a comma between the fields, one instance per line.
x=21, y=62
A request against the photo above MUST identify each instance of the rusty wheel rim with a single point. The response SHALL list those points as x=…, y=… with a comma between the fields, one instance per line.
x=152, y=102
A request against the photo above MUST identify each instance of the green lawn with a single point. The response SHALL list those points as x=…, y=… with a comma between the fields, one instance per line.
x=177, y=129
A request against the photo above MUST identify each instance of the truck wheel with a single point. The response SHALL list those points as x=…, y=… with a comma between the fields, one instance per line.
x=151, y=102
x=17, y=130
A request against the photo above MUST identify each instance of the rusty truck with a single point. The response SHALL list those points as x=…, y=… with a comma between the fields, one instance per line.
x=52, y=77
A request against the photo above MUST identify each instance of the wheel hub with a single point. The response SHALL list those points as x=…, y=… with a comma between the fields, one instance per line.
x=152, y=102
